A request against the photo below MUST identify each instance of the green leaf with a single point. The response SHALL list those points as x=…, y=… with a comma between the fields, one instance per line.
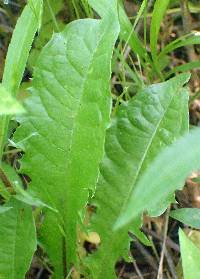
x=186, y=40
x=17, y=241
x=53, y=240
x=156, y=187
x=188, y=216
x=3, y=209
x=4, y=192
x=29, y=197
x=140, y=12
x=125, y=25
x=18, y=51
x=190, y=257
x=141, y=128
x=13, y=182
x=196, y=179
x=63, y=132
x=50, y=24
x=184, y=68
x=8, y=104
x=159, y=10
x=20, y=45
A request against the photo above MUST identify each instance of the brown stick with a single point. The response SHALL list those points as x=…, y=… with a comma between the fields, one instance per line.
x=64, y=257
x=160, y=268
x=6, y=181
x=169, y=242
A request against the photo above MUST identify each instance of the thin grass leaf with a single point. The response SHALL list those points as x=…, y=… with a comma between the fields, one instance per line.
x=186, y=40
x=18, y=51
x=184, y=68
x=19, y=47
x=125, y=25
x=159, y=11
x=140, y=12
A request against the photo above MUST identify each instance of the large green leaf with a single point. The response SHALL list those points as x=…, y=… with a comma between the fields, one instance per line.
x=165, y=175
x=63, y=132
x=141, y=128
x=17, y=241
x=18, y=51
x=190, y=255
x=188, y=216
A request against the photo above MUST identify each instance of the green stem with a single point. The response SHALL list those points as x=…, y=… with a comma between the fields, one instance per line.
x=4, y=122
x=53, y=17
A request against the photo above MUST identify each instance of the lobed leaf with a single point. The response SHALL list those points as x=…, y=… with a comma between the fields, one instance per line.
x=63, y=131
x=141, y=129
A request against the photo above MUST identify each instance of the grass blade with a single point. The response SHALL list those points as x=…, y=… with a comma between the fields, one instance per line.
x=18, y=51
x=159, y=11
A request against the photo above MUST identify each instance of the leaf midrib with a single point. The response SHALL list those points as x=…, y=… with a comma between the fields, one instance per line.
x=112, y=240
x=145, y=154
x=75, y=122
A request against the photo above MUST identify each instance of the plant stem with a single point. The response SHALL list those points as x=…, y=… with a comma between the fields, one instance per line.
x=137, y=270
x=4, y=122
x=64, y=257
x=160, y=269
x=53, y=17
